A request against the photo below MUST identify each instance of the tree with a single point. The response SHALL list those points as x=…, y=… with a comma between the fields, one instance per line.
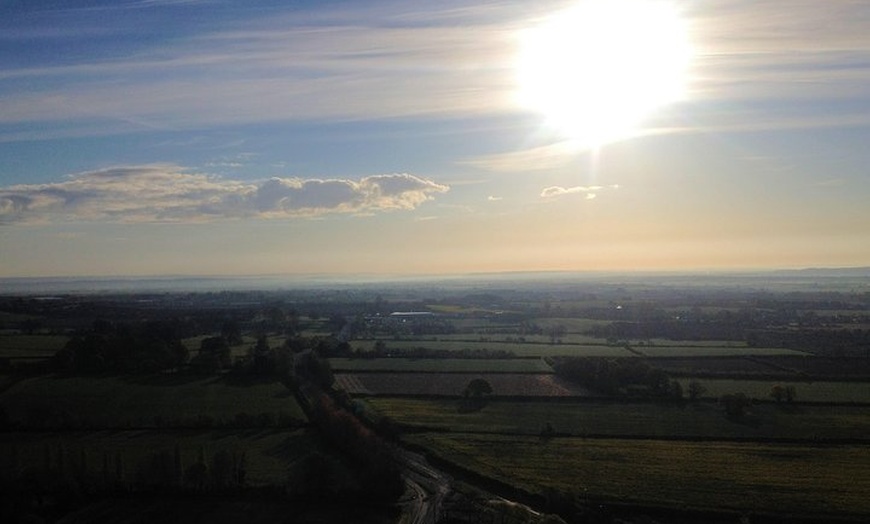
x=214, y=354
x=477, y=388
x=676, y=390
x=696, y=389
x=778, y=393
x=735, y=405
x=547, y=432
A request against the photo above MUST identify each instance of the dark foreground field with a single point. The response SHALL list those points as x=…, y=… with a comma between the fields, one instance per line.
x=611, y=403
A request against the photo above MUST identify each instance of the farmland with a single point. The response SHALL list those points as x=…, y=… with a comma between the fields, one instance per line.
x=453, y=384
x=113, y=402
x=601, y=418
x=30, y=346
x=783, y=479
x=571, y=396
x=268, y=453
x=416, y=365
x=830, y=392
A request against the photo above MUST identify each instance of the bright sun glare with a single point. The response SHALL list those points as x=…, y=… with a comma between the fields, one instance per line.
x=596, y=70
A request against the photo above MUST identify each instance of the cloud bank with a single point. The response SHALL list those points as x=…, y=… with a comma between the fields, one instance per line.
x=170, y=193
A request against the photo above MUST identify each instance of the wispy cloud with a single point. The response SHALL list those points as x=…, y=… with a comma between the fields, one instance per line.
x=539, y=158
x=169, y=193
x=589, y=192
x=421, y=60
x=761, y=48
x=284, y=68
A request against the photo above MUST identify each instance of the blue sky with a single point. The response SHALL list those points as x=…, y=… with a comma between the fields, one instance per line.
x=214, y=137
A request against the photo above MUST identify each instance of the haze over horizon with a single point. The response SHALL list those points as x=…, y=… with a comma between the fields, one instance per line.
x=209, y=137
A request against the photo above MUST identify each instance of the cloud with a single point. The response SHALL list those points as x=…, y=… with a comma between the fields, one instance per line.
x=417, y=60
x=540, y=158
x=169, y=193
x=299, y=66
x=590, y=192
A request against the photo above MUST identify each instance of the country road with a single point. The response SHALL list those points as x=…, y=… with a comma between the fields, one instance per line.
x=430, y=486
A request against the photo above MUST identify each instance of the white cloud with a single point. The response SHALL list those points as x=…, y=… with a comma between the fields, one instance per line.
x=589, y=192
x=169, y=193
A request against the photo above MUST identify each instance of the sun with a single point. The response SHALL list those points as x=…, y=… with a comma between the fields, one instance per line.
x=596, y=70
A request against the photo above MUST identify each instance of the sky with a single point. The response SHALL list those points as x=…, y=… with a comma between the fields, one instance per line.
x=212, y=137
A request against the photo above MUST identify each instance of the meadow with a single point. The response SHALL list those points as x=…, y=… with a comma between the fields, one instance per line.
x=805, y=391
x=453, y=384
x=269, y=453
x=602, y=418
x=30, y=346
x=415, y=365
x=713, y=351
x=800, y=480
x=145, y=401
x=539, y=346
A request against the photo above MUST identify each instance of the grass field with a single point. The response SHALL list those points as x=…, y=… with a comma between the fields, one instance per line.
x=268, y=453
x=142, y=401
x=453, y=384
x=792, y=479
x=571, y=345
x=694, y=343
x=699, y=420
x=405, y=365
x=571, y=325
x=18, y=346
x=523, y=350
x=239, y=350
x=843, y=392
x=713, y=351
x=568, y=338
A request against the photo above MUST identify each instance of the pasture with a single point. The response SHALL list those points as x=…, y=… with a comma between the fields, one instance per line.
x=766, y=478
x=31, y=346
x=713, y=351
x=148, y=401
x=518, y=349
x=453, y=384
x=465, y=365
x=623, y=419
x=268, y=453
x=834, y=392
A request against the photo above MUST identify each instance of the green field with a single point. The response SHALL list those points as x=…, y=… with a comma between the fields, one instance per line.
x=571, y=325
x=786, y=479
x=18, y=346
x=698, y=420
x=457, y=365
x=653, y=342
x=841, y=392
x=143, y=401
x=571, y=345
x=712, y=351
x=239, y=350
x=523, y=350
x=268, y=453
x=568, y=338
